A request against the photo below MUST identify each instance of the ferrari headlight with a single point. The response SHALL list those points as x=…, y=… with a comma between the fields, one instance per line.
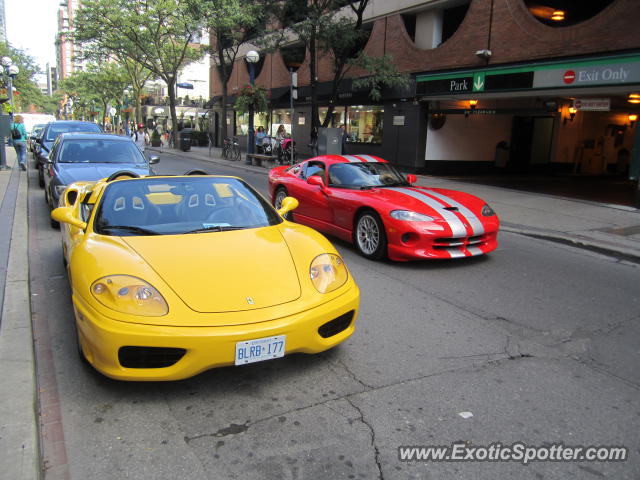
x=328, y=272
x=409, y=216
x=60, y=189
x=131, y=295
x=487, y=211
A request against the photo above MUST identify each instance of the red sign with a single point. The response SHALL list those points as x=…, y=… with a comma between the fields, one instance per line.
x=569, y=76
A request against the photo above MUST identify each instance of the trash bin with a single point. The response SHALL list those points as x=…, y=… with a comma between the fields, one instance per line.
x=184, y=137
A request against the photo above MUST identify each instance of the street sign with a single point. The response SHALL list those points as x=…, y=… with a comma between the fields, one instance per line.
x=478, y=82
x=593, y=104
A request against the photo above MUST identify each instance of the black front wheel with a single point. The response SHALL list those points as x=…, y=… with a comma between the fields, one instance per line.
x=40, y=176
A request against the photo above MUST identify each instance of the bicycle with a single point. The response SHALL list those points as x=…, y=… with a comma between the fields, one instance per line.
x=231, y=149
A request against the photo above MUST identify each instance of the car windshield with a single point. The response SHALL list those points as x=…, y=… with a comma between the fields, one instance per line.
x=56, y=130
x=99, y=151
x=365, y=175
x=181, y=205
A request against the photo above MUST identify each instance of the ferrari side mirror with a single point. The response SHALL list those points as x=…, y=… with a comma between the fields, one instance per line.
x=288, y=204
x=65, y=215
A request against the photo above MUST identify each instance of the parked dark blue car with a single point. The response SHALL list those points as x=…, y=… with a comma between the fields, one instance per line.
x=42, y=149
x=78, y=157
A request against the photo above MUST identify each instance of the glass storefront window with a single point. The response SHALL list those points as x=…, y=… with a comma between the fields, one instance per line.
x=280, y=117
x=337, y=118
x=242, y=122
x=364, y=123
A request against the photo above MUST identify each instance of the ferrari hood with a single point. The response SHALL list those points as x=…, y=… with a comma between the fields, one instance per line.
x=217, y=272
x=459, y=210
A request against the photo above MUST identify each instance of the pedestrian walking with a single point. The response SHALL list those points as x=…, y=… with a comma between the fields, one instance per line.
x=138, y=136
x=344, y=136
x=19, y=138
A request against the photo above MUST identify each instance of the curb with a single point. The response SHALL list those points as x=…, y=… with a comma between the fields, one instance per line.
x=575, y=241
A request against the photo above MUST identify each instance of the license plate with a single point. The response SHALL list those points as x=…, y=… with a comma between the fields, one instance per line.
x=260, y=349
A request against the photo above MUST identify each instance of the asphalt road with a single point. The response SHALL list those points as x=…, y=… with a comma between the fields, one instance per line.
x=538, y=341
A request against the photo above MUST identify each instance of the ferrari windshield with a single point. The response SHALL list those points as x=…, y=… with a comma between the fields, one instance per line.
x=365, y=175
x=105, y=150
x=181, y=205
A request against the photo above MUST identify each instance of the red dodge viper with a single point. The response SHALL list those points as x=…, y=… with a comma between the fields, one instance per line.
x=365, y=200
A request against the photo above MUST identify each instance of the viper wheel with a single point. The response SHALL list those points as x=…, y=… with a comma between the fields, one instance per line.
x=369, y=236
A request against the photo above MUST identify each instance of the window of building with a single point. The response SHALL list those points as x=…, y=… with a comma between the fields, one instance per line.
x=242, y=122
x=293, y=55
x=563, y=13
x=364, y=123
x=280, y=117
x=338, y=116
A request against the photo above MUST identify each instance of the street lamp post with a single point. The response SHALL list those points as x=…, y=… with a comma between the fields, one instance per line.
x=9, y=71
x=252, y=58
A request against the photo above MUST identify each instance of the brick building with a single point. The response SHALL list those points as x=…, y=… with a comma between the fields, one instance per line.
x=520, y=85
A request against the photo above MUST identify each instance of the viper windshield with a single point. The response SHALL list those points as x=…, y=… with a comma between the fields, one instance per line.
x=365, y=175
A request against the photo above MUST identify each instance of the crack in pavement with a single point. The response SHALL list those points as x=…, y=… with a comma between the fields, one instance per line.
x=347, y=396
x=372, y=433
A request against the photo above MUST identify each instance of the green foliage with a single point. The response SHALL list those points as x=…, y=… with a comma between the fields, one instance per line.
x=252, y=97
x=155, y=34
x=25, y=83
x=103, y=84
x=383, y=74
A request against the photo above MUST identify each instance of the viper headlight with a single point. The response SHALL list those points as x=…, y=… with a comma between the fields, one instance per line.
x=131, y=295
x=328, y=272
x=487, y=211
x=409, y=216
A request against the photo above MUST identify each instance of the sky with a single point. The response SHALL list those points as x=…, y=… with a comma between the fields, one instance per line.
x=32, y=27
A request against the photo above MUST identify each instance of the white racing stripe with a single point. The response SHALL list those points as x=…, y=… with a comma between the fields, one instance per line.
x=456, y=225
x=476, y=224
x=474, y=251
x=369, y=158
x=352, y=159
x=455, y=252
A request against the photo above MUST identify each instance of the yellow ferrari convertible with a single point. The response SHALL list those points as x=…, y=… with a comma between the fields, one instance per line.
x=174, y=275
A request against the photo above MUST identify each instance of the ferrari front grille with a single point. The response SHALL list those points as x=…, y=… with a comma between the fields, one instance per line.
x=337, y=325
x=149, y=357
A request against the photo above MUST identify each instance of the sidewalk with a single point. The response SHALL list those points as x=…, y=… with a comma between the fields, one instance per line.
x=609, y=229
x=19, y=452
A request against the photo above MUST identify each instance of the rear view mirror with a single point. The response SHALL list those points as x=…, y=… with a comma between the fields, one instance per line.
x=153, y=159
x=411, y=178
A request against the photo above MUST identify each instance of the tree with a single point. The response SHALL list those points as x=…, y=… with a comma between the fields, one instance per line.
x=157, y=34
x=325, y=28
x=25, y=82
x=102, y=83
x=137, y=76
x=232, y=23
